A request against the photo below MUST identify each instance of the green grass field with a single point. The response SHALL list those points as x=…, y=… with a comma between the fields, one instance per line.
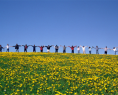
x=58, y=74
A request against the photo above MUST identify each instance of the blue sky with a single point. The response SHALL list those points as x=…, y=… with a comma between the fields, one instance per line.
x=59, y=22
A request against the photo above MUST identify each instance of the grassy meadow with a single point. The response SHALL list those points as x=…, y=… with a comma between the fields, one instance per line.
x=58, y=74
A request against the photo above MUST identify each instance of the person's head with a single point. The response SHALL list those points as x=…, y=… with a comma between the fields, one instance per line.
x=26, y=44
x=78, y=46
x=8, y=44
x=34, y=44
x=64, y=45
x=113, y=47
x=0, y=45
x=72, y=45
x=89, y=47
x=106, y=46
x=83, y=46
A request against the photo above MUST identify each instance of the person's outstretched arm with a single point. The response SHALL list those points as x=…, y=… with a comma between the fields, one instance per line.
x=80, y=46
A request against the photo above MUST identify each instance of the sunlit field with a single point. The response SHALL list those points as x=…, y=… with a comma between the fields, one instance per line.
x=58, y=74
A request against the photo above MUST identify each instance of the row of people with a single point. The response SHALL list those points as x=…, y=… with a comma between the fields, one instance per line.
x=57, y=47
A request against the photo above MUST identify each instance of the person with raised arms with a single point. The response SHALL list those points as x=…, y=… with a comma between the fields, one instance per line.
x=17, y=47
x=1, y=48
x=41, y=48
x=26, y=47
x=105, y=49
x=56, y=48
x=72, y=48
x=7, y=47
x=83, y=48
x=34, y=47
x=64, y=48
x=90, y=50
x=114, y=49
x=78, y=49
x=48, y=48
x=97, y=49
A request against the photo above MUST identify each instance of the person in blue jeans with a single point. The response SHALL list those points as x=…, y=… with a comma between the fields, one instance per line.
x=34, y=47
x=17, y=47
x=97, y=49
x=1, y=48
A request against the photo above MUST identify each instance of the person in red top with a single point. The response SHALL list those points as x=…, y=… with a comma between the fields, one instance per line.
x=72, y=48
x=25, y=47
x=41, y=48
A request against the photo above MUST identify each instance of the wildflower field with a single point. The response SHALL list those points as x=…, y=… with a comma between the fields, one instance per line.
x=58, y=74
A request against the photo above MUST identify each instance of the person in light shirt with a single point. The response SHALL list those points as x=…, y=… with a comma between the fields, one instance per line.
x=97, y=49
x=7, y=47
x=64, y=48
x=83, y=48
x=105, y=49
x=114, y=49
x=78, y=49
x=90, y=50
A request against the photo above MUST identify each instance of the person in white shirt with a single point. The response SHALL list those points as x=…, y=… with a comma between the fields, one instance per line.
x=105, y=49
x=83, y=48
x=90, y=50
x=114, y=49
x=7, y=47
x=78, y=49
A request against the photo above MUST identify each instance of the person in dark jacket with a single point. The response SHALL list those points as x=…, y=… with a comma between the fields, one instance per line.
x=1, y=48
x=17, y=47
x=72, y=48
x=34, y=47
x=41, y=48
x=26, y=47
x=56, y=48
x=48, y=48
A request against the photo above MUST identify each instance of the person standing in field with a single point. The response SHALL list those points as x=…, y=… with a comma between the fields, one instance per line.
x=48, y=48
x=41, y=48
x=7, y=47
x=17, y=47
x=97, y=49
x=78, y=49
x=26, y=47
x=72, y=48
x=83, y=48
x=56, y=48
x=1, y=48
x=105, y=49
x=34, y=47
x=64, y=48
x=114, y=49
x=89, y=50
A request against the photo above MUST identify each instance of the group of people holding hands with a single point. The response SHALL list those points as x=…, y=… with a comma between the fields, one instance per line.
x=57, y=48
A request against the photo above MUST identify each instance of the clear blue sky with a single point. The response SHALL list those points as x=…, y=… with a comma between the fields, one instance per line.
x=59, y=22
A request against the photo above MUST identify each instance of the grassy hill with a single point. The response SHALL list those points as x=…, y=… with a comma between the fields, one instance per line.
x=58, y=74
